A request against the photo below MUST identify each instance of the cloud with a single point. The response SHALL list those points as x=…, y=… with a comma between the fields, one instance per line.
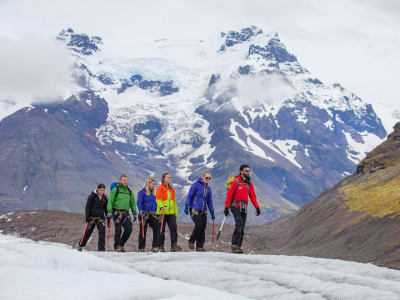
x=34, y=69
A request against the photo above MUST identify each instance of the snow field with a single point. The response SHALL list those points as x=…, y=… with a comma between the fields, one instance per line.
x=45, y=270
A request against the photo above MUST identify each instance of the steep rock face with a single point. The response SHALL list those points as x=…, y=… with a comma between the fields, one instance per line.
x=50, y=156
x=357, y=219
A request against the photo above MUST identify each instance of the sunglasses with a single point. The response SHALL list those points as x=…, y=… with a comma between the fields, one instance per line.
x=208, y=178
x=247, y=171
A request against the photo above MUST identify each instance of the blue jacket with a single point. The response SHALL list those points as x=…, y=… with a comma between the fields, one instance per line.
x=146, y=202
x=199, y=196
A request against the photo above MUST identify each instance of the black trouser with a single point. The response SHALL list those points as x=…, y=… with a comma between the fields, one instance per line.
x=199, y=231
x=240, y=222
x=121, y=220
x=171, y=220
x=101, y=229
x=152, y=220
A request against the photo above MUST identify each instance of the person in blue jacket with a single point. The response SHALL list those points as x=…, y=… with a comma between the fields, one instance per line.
x=198, y=199
x=146, y=202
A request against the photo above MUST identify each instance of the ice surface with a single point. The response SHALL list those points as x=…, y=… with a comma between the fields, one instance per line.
x=53, y=271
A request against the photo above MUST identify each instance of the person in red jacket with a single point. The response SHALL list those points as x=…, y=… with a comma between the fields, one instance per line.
x=237, y=198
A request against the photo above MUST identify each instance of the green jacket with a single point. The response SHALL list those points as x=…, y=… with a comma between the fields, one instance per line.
x=124, y=201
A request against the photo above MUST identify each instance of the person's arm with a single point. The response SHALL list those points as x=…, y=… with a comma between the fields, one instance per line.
x=159, y=201
x=133, y=203
x=210, y=202
x=140, y=199
x=230, y=193
x=105, y=206
x=111, y=200
x=253, y=197
x=88, y=207
x=189, y=199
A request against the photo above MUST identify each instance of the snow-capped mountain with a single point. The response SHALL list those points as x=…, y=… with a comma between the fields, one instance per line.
x=184, y=106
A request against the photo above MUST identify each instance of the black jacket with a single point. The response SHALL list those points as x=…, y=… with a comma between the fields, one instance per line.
x=96, y=207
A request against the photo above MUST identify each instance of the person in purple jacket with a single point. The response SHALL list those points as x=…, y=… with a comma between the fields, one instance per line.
x=146, y=202
x=198, y=199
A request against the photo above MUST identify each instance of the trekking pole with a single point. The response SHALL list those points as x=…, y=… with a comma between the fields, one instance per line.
x=109, y=229
x=162, y=219
x=220, y=229
x=142, y=227
x=87, y=223
x=212, y=234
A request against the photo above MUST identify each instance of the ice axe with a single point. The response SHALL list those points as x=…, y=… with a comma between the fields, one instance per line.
x=109, y=229
x=220, y=229
x=80, y=242
x=212, y=234
x=162, y=219
x=142, y=227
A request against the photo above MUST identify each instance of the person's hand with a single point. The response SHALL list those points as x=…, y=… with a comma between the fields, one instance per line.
x=258, y=211
x=186, y=209
x=87, y=219
x=226, y=211
x=109, y=217
x=134, y=218
x=212, y=215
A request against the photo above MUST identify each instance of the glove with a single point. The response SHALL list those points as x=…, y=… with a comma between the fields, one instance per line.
x=186, y=209
x=212, y=215
x=134, y=218
x=87, y=219
x=258, y=212
x=109, y=217
x=226, y=211
x=141, y=212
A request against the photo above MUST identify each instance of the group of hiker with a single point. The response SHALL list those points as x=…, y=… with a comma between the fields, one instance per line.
x=157, y=207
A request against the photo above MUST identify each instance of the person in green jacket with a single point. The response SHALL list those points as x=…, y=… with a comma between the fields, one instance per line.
x=120, y=201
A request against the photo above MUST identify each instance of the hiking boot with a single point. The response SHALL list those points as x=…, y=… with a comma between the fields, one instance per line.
x=79, y=248
x=176, y=248
x=118, y=249
x=155, y=249
x=122, y=249
x=191, y=246
x=141, y=250
x=237, y=251
x=201, y=249
x=162, y=249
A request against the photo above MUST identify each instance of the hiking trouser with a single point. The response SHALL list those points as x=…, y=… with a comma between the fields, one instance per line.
x=101, y=229
x=199, y=231
x=171, y=220
x=121, y=220
x=240, y=222
x=151, y=220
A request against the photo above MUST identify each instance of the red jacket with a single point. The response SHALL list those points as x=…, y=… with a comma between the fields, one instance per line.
x=241, y=193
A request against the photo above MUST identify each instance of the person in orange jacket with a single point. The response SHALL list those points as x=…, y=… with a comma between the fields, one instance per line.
x=167, y=210
x=237, y=199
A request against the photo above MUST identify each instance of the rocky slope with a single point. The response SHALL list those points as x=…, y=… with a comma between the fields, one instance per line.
x=182, y=107
x=358, y=219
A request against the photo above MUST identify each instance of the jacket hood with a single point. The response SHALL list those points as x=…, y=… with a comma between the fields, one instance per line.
x=201, y=182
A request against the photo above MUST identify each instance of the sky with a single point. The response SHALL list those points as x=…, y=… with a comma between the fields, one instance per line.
x=354, y=42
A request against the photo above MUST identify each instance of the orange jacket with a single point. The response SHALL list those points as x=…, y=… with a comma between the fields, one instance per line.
x=170, y=207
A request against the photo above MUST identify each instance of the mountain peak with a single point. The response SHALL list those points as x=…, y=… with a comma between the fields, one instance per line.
x=236, y=37
x=80, y=43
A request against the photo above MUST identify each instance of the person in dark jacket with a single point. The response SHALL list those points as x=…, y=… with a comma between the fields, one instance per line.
x=96, y=211
x=147, y=205
x=199, y=198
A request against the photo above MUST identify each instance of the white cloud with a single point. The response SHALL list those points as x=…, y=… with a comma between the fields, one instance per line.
x=34, y=69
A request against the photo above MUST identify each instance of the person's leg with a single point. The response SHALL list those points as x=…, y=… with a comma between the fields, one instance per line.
x=197, y=228
x=87, y=235
x=127, y=224
x=202, y=234
x=101, y=229
x=173, y=229
x=239, y=226
x=142, y=237
x=161, y=239
x=244, y=217
x=155, y=226
x=117, y=231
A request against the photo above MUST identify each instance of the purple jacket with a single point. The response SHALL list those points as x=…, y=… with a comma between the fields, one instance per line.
x=200, y=196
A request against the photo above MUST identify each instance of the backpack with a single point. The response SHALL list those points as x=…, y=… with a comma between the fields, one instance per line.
x=115, y=185
x=229, y=183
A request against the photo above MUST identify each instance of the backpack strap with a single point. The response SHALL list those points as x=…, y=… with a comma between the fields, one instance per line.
x=116, y=194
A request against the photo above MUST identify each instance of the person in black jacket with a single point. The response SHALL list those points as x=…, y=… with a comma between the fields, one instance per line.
x=96, y=212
